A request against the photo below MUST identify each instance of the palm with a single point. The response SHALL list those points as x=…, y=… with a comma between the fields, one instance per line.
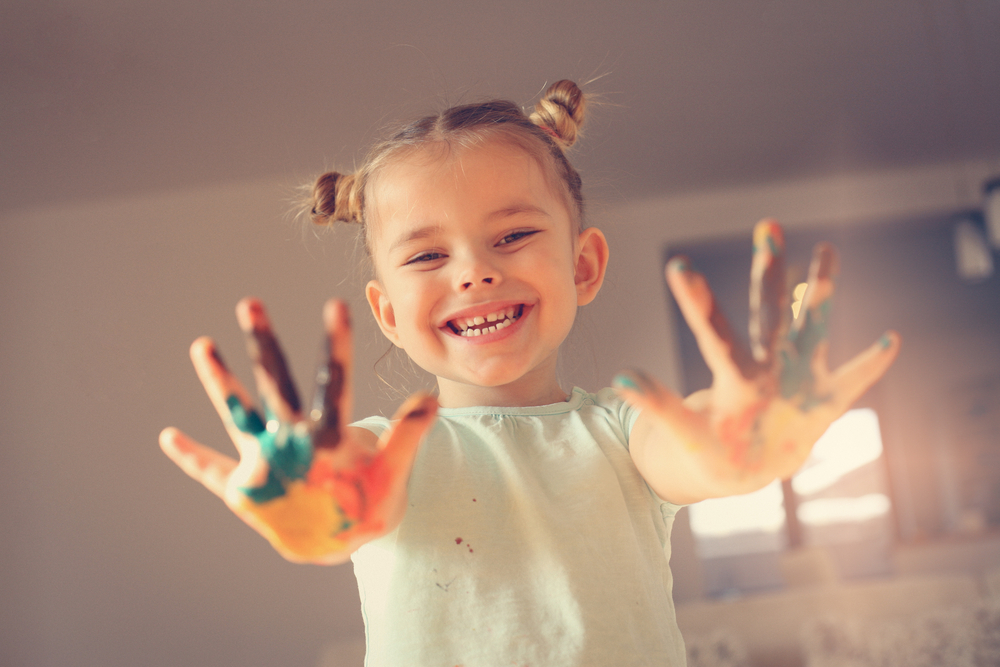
x=770, y=402
x=313, y=487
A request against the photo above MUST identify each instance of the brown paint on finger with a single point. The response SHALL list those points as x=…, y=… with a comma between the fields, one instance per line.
x=217, y=358
x=325, y=414
x=826, y=261
x=264, y=350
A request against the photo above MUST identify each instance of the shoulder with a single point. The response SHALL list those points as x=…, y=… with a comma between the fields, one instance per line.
x=610, y=406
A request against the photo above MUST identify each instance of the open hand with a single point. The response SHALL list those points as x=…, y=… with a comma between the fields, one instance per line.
x=315, y=488
x=767, y=404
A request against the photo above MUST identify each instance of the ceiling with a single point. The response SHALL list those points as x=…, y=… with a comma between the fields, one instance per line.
x=109, y=98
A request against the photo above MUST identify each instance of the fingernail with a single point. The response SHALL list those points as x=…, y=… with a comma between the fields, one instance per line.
x=885, y=341
x=679, y=264
x=625, y=381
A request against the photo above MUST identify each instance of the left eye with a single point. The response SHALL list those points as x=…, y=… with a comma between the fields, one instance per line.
x=516, y=236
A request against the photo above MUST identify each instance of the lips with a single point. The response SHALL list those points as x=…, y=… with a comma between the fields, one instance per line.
x=486, y=323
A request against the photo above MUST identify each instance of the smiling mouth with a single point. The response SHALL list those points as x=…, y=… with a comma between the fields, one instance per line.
x=484, y=324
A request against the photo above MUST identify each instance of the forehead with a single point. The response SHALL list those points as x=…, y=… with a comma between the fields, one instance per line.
x=431, y=183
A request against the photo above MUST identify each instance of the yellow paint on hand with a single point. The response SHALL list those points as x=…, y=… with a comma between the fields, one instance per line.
x=304, y=522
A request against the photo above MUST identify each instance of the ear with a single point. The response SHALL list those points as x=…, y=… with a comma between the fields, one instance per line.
x=591, y=263
x=385, y=316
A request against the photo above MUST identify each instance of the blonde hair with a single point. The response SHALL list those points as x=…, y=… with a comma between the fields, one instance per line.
x=552, y=128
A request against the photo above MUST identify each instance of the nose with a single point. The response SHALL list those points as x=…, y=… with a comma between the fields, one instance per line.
x=477, y=271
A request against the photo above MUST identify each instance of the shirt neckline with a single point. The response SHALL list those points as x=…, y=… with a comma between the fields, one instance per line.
x=576, y=399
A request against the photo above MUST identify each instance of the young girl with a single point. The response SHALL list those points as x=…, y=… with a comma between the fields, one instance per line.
x=532, y=525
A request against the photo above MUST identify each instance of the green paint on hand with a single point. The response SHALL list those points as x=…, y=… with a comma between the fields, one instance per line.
x=288, y=451
x=885, y=341
x=796, y=359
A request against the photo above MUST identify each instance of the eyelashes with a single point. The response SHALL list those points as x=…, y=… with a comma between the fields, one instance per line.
x=434, y=255
x=517, y=236
x=424, y=257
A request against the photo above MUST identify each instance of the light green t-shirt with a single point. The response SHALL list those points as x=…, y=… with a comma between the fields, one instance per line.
x=530, y=539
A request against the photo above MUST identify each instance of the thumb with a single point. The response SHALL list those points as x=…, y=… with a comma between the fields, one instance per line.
x=411, y=423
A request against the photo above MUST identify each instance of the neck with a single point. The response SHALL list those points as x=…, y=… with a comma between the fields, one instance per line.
x=536, y=388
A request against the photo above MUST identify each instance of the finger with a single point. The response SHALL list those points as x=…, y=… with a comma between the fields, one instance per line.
x=332, y=401
x=723, y=353
x=412, y=421
x=854, y=378
x=649, y=395
x=201, y=463
x=807, y=337
x=226, y=393
x=818, y=299
x=274, y=381
x=768, y=296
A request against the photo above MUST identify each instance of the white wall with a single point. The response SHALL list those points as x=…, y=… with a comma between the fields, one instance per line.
x=110, y=555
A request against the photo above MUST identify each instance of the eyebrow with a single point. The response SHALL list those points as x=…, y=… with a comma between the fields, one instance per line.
x=415, y=235
x=430, y=230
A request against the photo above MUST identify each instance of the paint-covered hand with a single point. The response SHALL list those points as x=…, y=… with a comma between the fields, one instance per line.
x=315, y=488
x=767, y=405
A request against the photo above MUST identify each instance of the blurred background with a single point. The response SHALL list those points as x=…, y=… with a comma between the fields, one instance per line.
x=150, y=158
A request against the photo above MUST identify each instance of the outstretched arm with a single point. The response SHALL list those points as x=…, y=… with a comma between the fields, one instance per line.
x=315, y=488
x=767, y=405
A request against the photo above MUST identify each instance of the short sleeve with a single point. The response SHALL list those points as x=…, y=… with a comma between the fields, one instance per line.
x=625, y=413
x=377, y=425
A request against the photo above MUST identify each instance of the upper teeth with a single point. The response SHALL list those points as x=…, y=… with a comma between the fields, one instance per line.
x=503, y=318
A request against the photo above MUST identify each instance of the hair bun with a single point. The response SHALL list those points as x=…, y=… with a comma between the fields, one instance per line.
x=335, y=198
x=560, y=112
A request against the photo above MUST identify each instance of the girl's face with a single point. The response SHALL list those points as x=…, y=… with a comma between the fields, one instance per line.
x=480, y=271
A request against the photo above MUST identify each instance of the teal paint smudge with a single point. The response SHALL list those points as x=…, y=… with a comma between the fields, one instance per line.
x=796, y=374
x=885, y=341
x=288, y=453
x=246, y=421
x=626, y=382
x=775, y=250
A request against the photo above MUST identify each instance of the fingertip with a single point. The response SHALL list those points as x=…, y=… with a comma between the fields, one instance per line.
x=168, y=440
x=768, y=233
x=826, y=261
x=202, y=347
x=627, y=380
x=891, y=341
x=336, y=314
x=250, y=314
x=678, y=264
x=421, y=405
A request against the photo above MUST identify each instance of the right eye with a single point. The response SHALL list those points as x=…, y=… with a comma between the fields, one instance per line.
x=423, y=257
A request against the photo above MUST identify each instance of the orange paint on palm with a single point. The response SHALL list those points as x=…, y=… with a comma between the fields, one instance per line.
x=738, y=433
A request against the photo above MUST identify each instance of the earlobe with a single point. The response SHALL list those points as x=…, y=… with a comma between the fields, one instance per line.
x=382, y=310
x=591, y=264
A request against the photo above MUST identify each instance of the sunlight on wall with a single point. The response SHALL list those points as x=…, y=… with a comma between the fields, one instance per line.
x=760, y=511
x=849, y=443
